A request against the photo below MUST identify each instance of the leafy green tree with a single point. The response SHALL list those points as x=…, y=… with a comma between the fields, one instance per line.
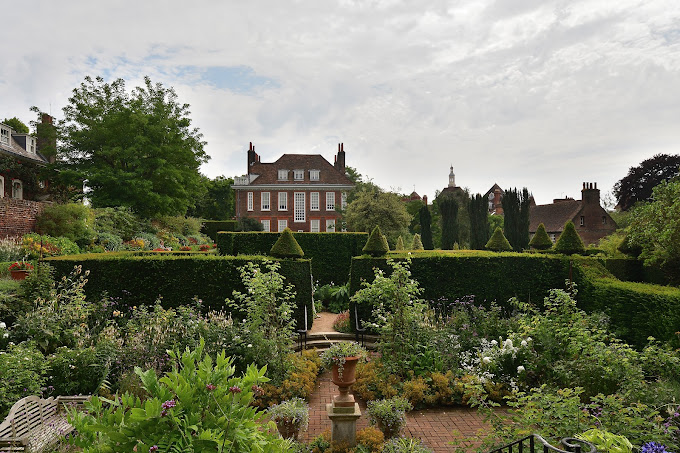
x=384, y=209
x=541, y=240
x=655, y=228
x=569, y=241
x=249, y=224
x=516, y=213
x=479, y=222
x=640, y=181
x=498, y=242
x=216, y=202
x=74, y=221
x=16, y=124
x=448, y=206
x=426, y=227
x=133, y=149
x=495, y=221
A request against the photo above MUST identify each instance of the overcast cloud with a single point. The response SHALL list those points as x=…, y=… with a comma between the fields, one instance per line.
x=536, y=93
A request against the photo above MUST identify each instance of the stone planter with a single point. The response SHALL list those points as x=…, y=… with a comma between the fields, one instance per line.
x=345, y=399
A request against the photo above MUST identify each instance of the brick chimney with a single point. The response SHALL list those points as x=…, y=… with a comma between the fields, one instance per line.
x=340, y=158
x=590, y=194
x=47, y=138
x=252, y=156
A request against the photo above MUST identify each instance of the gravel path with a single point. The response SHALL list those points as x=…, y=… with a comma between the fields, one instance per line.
x=323, y=322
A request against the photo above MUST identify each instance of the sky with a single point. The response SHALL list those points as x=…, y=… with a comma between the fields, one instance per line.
x=540, y=94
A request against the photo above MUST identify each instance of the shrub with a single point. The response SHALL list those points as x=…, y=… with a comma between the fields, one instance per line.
x=371, y=439
x=211, y=227
x=38, y=283
x=498, y=242
x=10, y=249
x=178, y=225
x=119, y=221
x=376, y=244
x=22, y=371
x=34, y=245
x=389, y=415
x=541, y=240
x=405, y=445
x=341, y=323
x=400, y=244
x=76, y=371
x=286, y=246
x=417, y=243
x=569, y=241
x=73, y=221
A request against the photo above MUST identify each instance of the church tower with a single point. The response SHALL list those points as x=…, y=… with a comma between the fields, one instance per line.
x=452, y=178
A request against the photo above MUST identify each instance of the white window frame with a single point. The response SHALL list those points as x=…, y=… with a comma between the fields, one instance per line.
x=266, y=225
x=299, y=175
x=299, y=208
x=2, y=187
x=314, y=226
x=283, y=175
x=343, y=200
x=283, y=201
x=5, y=135
x=330, y=201
x=283, y=224
x=17, y=193
x=31, y=144
x=314, y=175
x=314, y=201
x=265, y=201
x=330, y=225
x=250, y=201
x=582, y=221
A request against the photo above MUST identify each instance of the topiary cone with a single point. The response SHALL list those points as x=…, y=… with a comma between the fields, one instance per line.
x=541, y=240
x=286, y=246
x=400, y=244
x=376, y=244
x=498, y=242
x=417, y=243
x=569, y=241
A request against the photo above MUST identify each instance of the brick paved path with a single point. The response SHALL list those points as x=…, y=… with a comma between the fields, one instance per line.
x=435, y=427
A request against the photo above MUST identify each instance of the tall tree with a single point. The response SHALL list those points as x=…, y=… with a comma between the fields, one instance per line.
x=479, y=222
x=448, y=206
x=426, y=227
x=16, y=124
x=133, y=149
x=516, y=213
x=217, y=200
x=383, y=209
x=638, y=184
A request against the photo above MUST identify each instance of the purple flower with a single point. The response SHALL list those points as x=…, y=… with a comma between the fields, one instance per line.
x=211, y=387
x=168, y=404
x=153, y=448
x=654, y=447
x=235, y=389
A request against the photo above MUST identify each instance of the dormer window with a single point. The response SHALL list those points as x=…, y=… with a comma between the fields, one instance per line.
x=31, y=145
x=299, y=175
x=4, y=135
x=314, y=175
x=283, y=175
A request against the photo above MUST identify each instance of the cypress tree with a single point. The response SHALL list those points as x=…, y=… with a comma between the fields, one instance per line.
x=479, y=222
x=448, y=207
x=498, y=242
x=541, y=240
x=426, y=227
x=516, y=212
x=417, y=243
x=400, y=244
x=286, y=246
x=376, y=244
x=569, y=241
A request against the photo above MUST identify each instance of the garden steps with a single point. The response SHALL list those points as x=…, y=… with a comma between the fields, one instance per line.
x=323, y=340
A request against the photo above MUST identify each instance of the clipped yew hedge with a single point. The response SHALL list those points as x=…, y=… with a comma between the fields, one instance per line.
x=136, y=279
x=211, y=227
x=331, y=253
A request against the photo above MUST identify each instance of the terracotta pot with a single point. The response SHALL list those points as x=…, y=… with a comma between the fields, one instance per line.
x=345, y=399
x=288, y=428
x=19, y=274
x=388, y=432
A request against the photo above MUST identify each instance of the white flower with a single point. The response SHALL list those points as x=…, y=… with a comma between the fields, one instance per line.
x=507, y=344
x=520, y=369
x=494, y=342
x=528, y=338
x=3, y=325
x=486, y=359
x=524, y=343
x=250, y=345
x=72, y=367
x=5, y=335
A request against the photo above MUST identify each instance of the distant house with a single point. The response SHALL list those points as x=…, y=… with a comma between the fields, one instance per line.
x=495, y=195
x=21, y=148
x=298, y=191
x=591, y=220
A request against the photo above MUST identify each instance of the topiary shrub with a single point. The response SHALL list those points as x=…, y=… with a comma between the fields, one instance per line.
x=569, y=241
x=386, y=242
x=417, y=243
x=498, y=242
x=286, y=246
x=400, y=244
x=376, y=244
x=541, y=240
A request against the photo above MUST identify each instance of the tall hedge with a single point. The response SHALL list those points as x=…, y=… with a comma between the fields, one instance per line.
x=331, y=253
x=134, y=279
x=211, y=227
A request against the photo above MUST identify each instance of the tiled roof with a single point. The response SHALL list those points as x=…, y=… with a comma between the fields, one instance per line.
x=14, y=149
x=328, y=174
x=554, y=215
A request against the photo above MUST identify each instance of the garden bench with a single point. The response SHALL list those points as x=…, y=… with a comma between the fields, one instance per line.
x=34, y=424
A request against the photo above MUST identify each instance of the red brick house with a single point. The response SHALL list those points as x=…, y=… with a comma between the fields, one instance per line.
x=591, y=220
x=298, y=191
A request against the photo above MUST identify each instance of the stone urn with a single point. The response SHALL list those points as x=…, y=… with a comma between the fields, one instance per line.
x=344, y=378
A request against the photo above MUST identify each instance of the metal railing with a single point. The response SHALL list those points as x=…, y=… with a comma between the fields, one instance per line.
x=535, y=443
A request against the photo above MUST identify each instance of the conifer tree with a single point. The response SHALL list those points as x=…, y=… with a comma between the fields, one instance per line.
x=426, y=227
x=516, y=213
x=498, y=242
x=541, y=240
x=479, y=222
x=286, y=246
x=400, y=244
x=448, y=207
x=376, y=244
x=417, y=243
x=569, y=241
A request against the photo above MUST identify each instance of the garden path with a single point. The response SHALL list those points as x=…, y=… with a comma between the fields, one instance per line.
x=435, y=427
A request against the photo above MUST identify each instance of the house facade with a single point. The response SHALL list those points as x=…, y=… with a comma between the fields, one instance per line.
x=298, y=191
x=591, y=220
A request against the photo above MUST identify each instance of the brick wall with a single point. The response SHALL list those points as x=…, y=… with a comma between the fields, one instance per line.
x=17, y=217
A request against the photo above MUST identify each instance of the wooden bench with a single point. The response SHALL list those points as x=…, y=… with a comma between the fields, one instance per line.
x=34, y=423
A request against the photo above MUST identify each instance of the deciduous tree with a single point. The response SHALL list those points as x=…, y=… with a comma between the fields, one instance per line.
x=638, y=184
x=384, y=209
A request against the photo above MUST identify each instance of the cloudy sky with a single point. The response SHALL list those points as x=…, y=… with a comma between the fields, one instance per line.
x=537, y=93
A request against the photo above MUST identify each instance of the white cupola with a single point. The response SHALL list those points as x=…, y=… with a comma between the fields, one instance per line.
x=452, y=178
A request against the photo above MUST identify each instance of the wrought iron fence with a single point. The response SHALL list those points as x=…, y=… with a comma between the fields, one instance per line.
x=535, y=443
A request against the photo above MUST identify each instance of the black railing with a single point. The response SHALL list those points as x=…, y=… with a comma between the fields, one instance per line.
x=302, y=334
x=535, y=443
x=358, y=331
